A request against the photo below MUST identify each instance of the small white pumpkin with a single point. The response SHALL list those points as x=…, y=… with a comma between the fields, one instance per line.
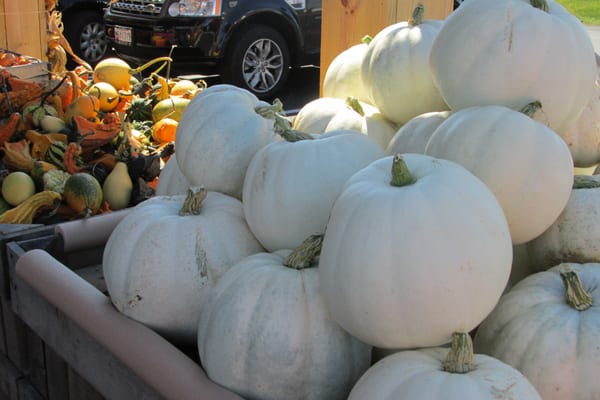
x=291, y=184
x=513, y=52
x=327, y=114
x=442, y=373
x=412, y=137
x=396, y=69
x=526, y=165
x=171, y=180
x=266, y=334
x=219, y=131
x=547, y=327
x=162, y=259
x=422, y=240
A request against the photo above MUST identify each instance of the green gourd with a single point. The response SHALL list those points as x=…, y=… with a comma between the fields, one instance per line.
x=118, y=186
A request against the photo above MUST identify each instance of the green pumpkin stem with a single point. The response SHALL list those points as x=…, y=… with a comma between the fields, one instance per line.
x=586, y=182
x=304, y=255
x=355, y=105
x=460, y=357
x=541, y=4
x=283, y=127
x=401, y=175
x=417, y=15
x=193, y=201
x=271, y=110
x=532, y=108
x=577, y=297
x=367, y=39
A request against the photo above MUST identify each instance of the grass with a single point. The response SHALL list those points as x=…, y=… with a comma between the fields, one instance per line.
x=588, y=11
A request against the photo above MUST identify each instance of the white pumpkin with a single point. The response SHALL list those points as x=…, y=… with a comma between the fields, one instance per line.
x=412, y=137
x=526, y=165
x=442, y=373
x=575, y=235
x=290, y=186
x=327, y=114
x=219, y=131
x=547, y=327
x=511, y=53
x=396, y=69
x=171, y=180
x=265, y=333
x=343, y=77
x=159, y=265
x=395, y=252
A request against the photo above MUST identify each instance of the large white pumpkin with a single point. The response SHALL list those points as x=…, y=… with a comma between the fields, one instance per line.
x=511, y=53
x=159, y=266
x=443, y=373
x=290, y=186
x=412, y=137
x=547, y=327
x=396, y=69
x=171, y=180
x=266, y=334
x=527, y=166
x=218, y=133
x=405, y=266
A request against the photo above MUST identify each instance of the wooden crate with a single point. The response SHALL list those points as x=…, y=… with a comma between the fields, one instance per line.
x=346, y=22
x=23, y=27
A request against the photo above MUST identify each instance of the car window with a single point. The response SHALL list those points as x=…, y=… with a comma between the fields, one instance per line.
x=298, y=4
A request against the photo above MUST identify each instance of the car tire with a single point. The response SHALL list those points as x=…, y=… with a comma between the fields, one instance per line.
x=258, y=59
x=86, y=35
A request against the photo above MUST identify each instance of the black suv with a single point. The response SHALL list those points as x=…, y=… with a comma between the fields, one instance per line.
x=250, y=43
x=84, y=27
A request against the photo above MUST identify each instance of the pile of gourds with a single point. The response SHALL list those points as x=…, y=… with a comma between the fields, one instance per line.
x=86, y=141
x=415, y=233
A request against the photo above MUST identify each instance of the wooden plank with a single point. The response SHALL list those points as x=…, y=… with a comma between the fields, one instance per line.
x=346, y=22
x=57, y=374
x=79, y=388
x=3, y=41
x=24, y=27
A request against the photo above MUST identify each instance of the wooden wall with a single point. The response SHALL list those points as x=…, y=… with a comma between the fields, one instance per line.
x=346, y=22
x=23, y=27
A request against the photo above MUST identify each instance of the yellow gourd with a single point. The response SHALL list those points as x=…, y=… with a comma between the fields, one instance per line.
x=118, y=73
x=106, y=93
x=117, y=187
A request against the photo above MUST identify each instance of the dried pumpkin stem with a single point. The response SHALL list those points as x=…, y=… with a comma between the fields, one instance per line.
x=541, y=4
x=417, y=15
x=355, y=105
x=577, y=297
x=283, y=127
x=193, y=201
x=401, y=175
x=460, y=358
x=270, y=111
x=586, y=182
x=304, y=255
x=532, y=108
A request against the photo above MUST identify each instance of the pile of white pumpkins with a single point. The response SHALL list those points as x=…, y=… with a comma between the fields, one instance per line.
x=414, y=233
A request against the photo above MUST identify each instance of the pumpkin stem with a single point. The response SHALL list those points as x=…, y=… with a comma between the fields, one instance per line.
x=367, y=39
x=460, y=357
x=304, y=255
x=283, y=127
x=577, y=297
x=541, y=4
x=586, y=182
x=401, y=175
x=417, y=15
x=355, y=105
x=271, y=110
x=193, y=201
x=531, y=108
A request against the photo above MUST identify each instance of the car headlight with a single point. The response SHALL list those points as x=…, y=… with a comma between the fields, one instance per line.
x=195, y=8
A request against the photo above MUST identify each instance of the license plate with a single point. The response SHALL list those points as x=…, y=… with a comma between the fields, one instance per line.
x=123, y=35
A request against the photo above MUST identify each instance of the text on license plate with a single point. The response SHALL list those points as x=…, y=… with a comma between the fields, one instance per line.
x=123, y=35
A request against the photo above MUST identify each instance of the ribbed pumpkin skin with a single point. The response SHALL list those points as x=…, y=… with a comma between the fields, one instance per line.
x=83, y=192
x=554, y=345
x=265, y=334
x=159, y=266
x=413, y=136
x=511, y=53
x=418, y=374
x=171, y=180
x=392, y=255
x=343, y=77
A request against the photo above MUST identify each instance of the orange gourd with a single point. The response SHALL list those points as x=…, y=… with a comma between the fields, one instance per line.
x=164, y=130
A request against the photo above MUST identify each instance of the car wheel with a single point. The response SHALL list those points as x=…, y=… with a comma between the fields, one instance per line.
x=258, y=60
x=85, y=33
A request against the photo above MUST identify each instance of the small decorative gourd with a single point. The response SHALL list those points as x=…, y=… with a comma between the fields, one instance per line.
x=265, y=333
x=163, y=258
x=546, y=326
x=412, y=236
x=454, y=373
